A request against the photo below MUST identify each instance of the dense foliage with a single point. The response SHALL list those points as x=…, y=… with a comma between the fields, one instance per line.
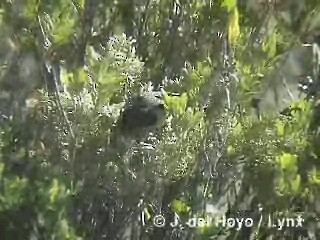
x=241, y=136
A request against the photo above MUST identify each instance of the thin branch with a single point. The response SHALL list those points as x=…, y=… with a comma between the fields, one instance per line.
x=55, y=77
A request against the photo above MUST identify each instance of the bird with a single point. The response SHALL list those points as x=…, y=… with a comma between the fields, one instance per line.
x=141, y=115
x=145, y=111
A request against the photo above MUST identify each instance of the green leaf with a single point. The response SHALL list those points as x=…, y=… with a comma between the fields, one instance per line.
x=270, y=47
x=315, y=177
x=229, y=4
x=183, y=100
x=296, y=184
x=177, y=105
x=199, y=5
x=283, y=187
x=110, y=82
x=288, y=162
x=80, y=3
x=234, y=27
x=1, y=169
x=54, y=191
x=13, y=194
x=64, y=24
x=238, y=130
x=65, y=229
x=281, y=128
x=180, y=207
x=147, y=213
x=31, y=9
x=231, y=150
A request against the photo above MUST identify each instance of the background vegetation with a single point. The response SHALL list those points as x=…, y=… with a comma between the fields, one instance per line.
x=241, y=138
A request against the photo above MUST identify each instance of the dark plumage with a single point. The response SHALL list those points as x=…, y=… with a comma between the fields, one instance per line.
x=143, y=112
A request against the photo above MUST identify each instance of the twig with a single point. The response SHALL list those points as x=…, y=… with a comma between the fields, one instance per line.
x=55, y=77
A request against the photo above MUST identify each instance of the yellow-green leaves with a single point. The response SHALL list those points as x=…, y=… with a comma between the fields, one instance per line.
x=13, y=191
x=57, y=191
x=234, y=28
x=146, y=213
x=180, y=207
x=75, y=81
x=270, y=46
x=281, y=128
x=198, y=5
x=296, y=184
x=31, y=9
x=315, y=177
x=79, y=3
x=288, y=162
x=198, y=76
x=292, y=186
x=294, y=127
x=64, y=21
x=198, y=79
x=231, y=150
x=66, y=231
x=118, y=71
x=229, y=4
x=177, y=104
x=290, y=181
x=110, y=82
x=54, y=191
x=1, y=169
x=195, y=118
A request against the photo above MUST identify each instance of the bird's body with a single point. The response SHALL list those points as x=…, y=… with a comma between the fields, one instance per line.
x=141, y=115
x=143, y=112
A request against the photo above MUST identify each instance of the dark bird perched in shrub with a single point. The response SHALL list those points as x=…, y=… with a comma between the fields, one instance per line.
x=143, y=112
x=141, y=115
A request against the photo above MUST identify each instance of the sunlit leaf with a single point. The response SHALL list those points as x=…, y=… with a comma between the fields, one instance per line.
x=288, y=163
x=270, y=47
x=1, y=169
x=54, y=191
x=31, y=9
x=283, y=187
x=147, y=214
x=177, y=104
x=315, y=177
x=234, y=28
x=229, y=4
x=281, y=128
x=180, y=207
x=64, y=22
x=296, y=184
x=231, y=150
